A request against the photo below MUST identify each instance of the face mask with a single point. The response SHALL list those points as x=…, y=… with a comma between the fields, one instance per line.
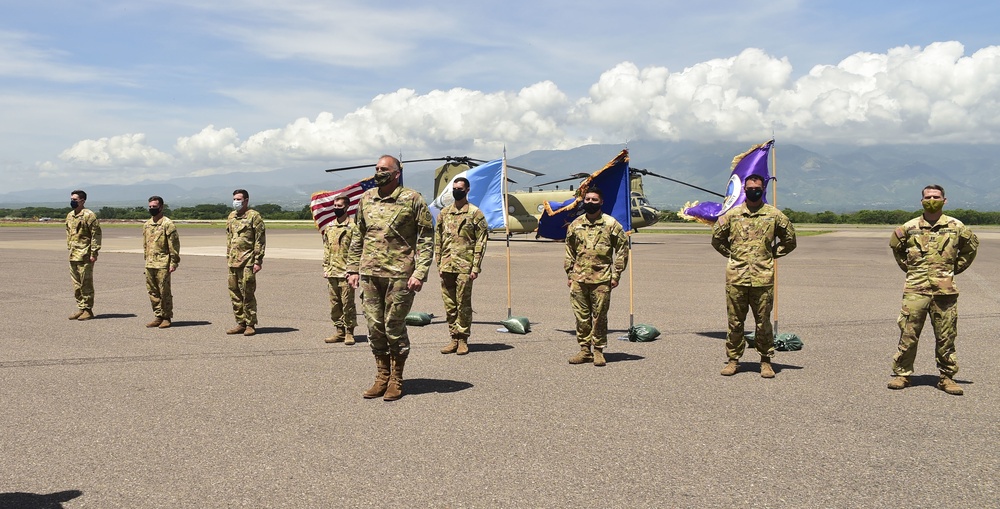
x=382, y=178
x=237, y=204
x=755, y=194
x=459, y=194
x=591, y=207
x=73, y=204
x=932, y=206
x=339, y=211
x=154, y=212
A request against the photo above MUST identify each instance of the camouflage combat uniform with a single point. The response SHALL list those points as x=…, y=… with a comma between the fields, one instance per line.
x=596, y=255
x=931, y=255
x=162, y=250
x=245, y=248
x=83, y=240
x=394, y=241
x=337, y=238
x=748, y=239
x=459, y=245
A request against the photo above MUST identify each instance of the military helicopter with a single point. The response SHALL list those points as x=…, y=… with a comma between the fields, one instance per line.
x=525, y=207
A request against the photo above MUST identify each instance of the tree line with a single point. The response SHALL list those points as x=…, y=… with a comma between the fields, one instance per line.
x=204, y=211
x=272, y=211
x=969, y=217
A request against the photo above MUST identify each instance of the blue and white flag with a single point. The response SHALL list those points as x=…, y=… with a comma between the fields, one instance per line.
x=485, y=192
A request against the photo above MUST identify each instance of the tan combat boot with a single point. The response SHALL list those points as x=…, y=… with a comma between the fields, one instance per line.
x=349, y=336
x=337, y=337
x=395, y=389
x=463, y=346
x=382, y=364
x=766, y=371
x=452, y=347
x=76, y=315
x=899, y=382
x=239, y=329
x=599, y=357
x=165, y=324
x=86, y=315
x=249, y=331
x=583, y=356
x=155, y=323
x=948, y=385
x=730, y=368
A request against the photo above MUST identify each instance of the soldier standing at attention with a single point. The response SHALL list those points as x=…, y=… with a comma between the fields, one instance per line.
x=162, y=250
x=390, y=255
x=596, y=256
x=337, y=238
x=931, y=249
x=245, y=250
x=83, y=239
x=746, y=236
x=459, y=245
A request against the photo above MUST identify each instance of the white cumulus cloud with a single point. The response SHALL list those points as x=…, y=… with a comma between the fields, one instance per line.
x=908, y=94
x=123, y=150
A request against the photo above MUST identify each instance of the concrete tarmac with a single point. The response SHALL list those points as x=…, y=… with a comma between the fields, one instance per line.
x=107, y=413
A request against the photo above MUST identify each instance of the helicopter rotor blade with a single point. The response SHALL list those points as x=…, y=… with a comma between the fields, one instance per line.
x=350, y=168
x=471, y=162
x=575, y=176
x=518, y=168
x=459, y=159
x=647, y=172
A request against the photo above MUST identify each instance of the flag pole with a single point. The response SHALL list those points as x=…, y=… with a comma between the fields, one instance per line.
x=774, y=198
x=506, y=227
x=631, y=304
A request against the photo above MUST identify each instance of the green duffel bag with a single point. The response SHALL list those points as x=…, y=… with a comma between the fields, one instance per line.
x=418, y=319
x=783, y=342
x=642, y=333
x=517, y=325
x=787, y=342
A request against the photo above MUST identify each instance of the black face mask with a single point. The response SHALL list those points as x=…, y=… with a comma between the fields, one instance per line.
x=755, y=194
x=339, y=211
x=591, y=207
x=459, y=194
x=73, y=204
x=154, y=212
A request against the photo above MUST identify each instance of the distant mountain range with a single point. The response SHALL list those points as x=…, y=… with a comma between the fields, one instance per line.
x=837, y=178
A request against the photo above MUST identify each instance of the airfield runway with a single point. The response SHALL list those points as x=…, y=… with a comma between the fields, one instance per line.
x=107, y=413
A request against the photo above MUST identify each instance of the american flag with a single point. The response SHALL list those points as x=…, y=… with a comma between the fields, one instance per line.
x=322, y=202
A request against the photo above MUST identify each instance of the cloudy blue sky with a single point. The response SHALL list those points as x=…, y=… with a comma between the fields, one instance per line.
x=96, y=91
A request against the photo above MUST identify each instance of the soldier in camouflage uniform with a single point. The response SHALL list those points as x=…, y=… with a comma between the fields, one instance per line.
x=596, y=256
x=245, y=250
x=337, y=238
x=931, y=249
x=390, y=255
x=746, y=236
x=83, y=240
x=162, y=250
x=459, y=245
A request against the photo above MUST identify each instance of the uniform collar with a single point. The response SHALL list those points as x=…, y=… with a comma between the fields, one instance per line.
x=393, y=196
x=942, y=221
x=747, y=212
